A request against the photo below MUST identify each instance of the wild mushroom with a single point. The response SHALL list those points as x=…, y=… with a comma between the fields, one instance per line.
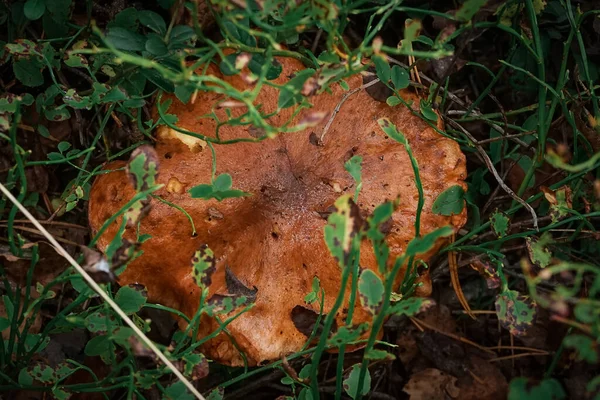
x=271, y=243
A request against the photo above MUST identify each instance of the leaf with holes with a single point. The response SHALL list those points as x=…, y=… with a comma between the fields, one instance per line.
x=370, y=290
x=342, y=229
x=411, y=306
x=469, y=9
x=224, y=304
x=500, y=223
x=538, y=249
x=450, y=201
x=216, y=394
x=515, y=312
x=196, y=366
x=203, y=266
x=345, y=334
x=378, y=224
x=354, y=168
x=142, y=168
x=351, y=382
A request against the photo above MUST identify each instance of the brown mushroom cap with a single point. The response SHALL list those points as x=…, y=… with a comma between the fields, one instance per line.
x=273, y=240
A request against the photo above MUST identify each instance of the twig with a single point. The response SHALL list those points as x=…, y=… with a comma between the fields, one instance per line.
x=456, y=282
x=490, y=165
x=512, y=357
x=342, y=101
x=61, y=251
x=451, y=335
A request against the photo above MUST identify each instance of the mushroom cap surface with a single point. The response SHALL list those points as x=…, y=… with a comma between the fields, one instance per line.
x=273, y=240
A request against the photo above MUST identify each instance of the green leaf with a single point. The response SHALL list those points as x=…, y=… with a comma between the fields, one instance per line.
x=178, y=391
x=586, y=312
x=393, y=101
x=156, y=77
x=8, y=307
x=222, y=182
x=354, y=168
x=238, y=34
x=343, y=226
x=375, y=354
x=76, y=60
x=28, y=72
x=126, y=18
x=382, y=67
x=156, y=46
x=34, y=9
x=469, y=9
x=290, y=93
x=400, y=77
x=124, y=39
x=351, y=382
x=586, y=347
x=423, y=244
x=256, y=64
x=180, y=36
x=515, y=311
x=100, y=346
x=428, y=112
x=203, y=266
x=25, y=377
x=500, y=224
x=370, y=291
x=131, y=299
x=142, y=168
x=4, y=323
x=63, y=146
x=450, y=201
x=524, y=389
x=152, y=20
x=220, y=189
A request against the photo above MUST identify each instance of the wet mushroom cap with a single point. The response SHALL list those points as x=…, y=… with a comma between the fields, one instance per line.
x=273, y=240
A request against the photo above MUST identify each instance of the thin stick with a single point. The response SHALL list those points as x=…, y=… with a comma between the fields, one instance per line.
x=342, y=101
x=518, y=356
x=492, y=169
x=61, y=251
x=451, y=335
x=529, y=349
x=453, y=265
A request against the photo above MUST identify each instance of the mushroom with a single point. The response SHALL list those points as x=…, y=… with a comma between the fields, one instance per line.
x=270, y=245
